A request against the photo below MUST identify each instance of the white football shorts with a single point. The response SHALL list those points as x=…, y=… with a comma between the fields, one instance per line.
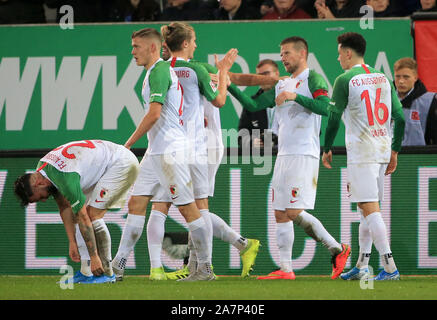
x=110, y=192
x=294, y=182
x=168, y=174
x=365, y=182
x=199, y=176
x=215, y=156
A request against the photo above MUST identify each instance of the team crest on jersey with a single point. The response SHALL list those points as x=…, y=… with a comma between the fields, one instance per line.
x=213, y=86
x=103, y=192
x=299, y=83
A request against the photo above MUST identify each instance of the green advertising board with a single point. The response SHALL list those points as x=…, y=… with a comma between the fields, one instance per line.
x=33, y=240
x=59, y=85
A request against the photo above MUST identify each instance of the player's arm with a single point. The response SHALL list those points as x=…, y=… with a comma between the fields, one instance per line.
x=335, y=109
x=68, y=184
x=68, y=219
x=159, y=83
x=146, y=123
x=87, y=231
x=224, y=66
x=318, y=103
x=245, y=79
x=263, y=101
x=398, y=131
x=248, y=79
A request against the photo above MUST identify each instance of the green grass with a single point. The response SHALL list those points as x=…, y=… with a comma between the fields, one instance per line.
x=225, y=288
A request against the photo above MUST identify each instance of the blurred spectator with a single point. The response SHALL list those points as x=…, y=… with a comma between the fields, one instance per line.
x=134, y=10
x=331, y=9
x=428, y=6
x=381, y=8
x=236, y=10
x=185, y=10
x=259, y=120
x=266, y=7
x=22, y=11
x=286, y=9
x=419, y=105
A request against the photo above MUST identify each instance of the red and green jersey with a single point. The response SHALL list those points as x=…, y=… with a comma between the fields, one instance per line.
x=75, y=168
x=367, y=100
x=197, y=86
x=161, y=85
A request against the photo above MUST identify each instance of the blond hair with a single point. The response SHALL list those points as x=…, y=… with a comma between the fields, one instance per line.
x=175, y=34
x=409, y=63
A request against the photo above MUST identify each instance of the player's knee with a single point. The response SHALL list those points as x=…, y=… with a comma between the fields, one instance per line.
x=162, y=207
x=138, y=205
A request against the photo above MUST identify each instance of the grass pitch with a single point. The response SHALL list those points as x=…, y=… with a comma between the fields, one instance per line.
x=225, y=288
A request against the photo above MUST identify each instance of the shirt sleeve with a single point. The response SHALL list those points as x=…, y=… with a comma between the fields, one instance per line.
x=340, y=95
x=263, y=101
x=159, y=83
x=399, y=120
x=68, y=184
x=206, y=86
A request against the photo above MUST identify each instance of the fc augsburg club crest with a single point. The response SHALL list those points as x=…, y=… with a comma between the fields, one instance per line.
x=295, y=192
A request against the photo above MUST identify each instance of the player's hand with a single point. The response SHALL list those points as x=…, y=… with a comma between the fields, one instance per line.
x=96, y=266
x=284, y=96
x=327, y=159
x=214, y=78
x=74, y=252
x=391, y=167
x=227, y=61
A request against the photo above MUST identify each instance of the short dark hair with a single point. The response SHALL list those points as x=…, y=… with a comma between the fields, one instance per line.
x=22, y=189
x=299, y=43
x=267, y=61
x=354, y=41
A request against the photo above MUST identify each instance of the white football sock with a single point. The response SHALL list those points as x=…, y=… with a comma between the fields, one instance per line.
x=206, y=216
x=200, y=238
x=155, y=236
x=378, y=231
x=132, y=232
x=223, y=231
x=314, y=228
x=85, y=268
x=285, y=239
x=103, y=241
x=365, y=242
x=85, y=263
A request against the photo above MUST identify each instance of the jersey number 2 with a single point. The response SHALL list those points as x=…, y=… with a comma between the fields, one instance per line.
x=86, y=144
x=377, y=107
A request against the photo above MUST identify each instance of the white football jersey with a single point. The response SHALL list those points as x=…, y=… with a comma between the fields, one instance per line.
x=161, y=85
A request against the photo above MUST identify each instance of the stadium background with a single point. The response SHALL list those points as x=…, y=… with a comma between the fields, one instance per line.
x=62, y=85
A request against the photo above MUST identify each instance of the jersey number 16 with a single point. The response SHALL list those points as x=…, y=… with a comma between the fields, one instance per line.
x=375, y=113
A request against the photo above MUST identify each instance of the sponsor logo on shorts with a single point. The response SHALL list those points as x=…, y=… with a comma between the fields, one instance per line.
x=294, y=194
x=103, y=192
x=173, y=191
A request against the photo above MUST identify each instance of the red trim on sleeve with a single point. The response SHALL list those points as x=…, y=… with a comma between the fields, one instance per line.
x=42, y=167
x=365, y=68
x=320, y=92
